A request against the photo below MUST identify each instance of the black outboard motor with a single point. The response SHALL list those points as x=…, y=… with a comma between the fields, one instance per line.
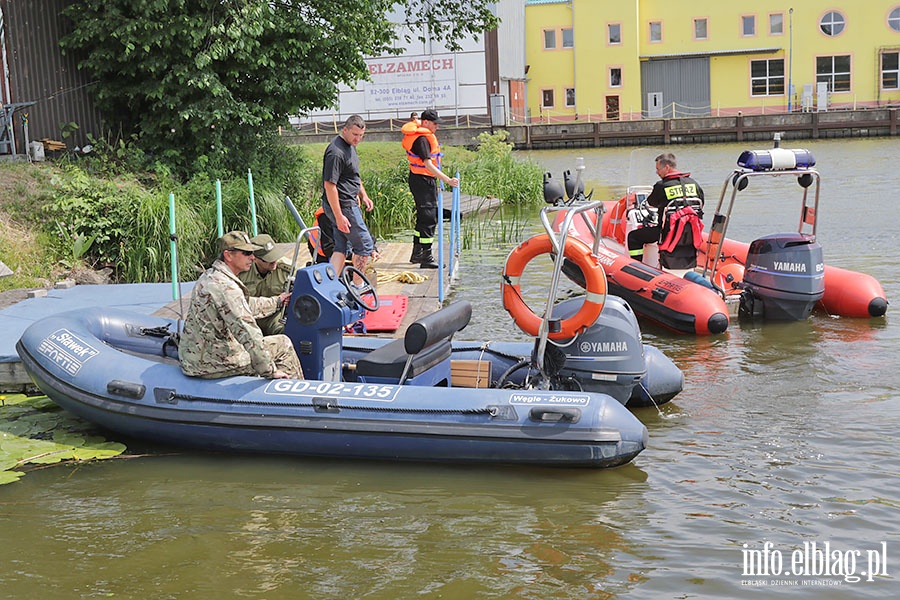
x=784, y=277
x=571, y=180
x=553, y=190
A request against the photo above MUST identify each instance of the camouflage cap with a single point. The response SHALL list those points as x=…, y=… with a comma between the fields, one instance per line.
x=268, y=251
x=236, y=240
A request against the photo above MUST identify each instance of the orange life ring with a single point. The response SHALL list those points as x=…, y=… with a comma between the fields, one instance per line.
x=595, y=285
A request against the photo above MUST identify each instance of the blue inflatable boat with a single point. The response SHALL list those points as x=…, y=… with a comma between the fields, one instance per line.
x=396, y=401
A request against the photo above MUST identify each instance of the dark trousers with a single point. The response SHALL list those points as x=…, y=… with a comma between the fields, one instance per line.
x=639, y=237
x=424, y=191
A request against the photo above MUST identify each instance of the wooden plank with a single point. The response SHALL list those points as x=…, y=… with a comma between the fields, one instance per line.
x=14, y=378
x=470, y=373
x=391, y=268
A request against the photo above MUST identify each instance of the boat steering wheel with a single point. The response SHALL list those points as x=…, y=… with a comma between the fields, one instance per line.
x=358, y=292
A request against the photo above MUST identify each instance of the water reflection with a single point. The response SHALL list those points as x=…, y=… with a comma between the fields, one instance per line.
x=320, y=529
x=785, y=433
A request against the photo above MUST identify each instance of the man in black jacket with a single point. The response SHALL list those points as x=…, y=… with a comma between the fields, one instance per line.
x=674, y=188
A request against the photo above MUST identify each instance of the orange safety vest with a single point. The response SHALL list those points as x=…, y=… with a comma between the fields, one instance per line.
x=411, y=131
x=314, y=235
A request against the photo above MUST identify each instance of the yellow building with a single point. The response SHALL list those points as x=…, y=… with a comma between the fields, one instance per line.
x=593, y=59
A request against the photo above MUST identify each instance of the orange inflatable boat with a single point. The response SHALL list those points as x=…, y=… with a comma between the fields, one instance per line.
x=780, y=276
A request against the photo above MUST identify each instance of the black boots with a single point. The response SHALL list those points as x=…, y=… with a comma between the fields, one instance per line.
x=416, y=256
x=422, y=256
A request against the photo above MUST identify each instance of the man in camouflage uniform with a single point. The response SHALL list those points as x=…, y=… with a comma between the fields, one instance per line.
x=267, y=277
x=220, y=337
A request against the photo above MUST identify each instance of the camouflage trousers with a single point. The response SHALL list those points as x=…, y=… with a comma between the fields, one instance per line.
x=283, y=354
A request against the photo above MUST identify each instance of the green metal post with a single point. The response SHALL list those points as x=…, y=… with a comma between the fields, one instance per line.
x=252, y=202
x=173, y=247
x=219, y=207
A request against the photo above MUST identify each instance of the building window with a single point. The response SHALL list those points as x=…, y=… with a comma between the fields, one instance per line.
x=776, y=24
x=767, y=77
x=549, y=39
x=547, y=100
x=890, y=71
x=894, y=19
x=700, y=32
x=615, y=33
x=615, y=77
x=832, y=23
x=570, y=97
x=565, y=35
x=655, y=31
x=748, y=25
x=835, y=71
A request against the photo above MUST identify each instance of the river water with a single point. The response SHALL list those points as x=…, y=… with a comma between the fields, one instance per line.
x=775, y=472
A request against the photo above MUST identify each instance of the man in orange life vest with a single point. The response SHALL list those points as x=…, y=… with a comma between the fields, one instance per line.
x=424, y=154
x=676, y=188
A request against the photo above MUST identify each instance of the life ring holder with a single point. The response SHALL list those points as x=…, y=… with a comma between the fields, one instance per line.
x=595, y=285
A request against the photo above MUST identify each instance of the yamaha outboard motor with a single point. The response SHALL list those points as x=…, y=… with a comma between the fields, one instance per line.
x=612, y=346
x=784, y=277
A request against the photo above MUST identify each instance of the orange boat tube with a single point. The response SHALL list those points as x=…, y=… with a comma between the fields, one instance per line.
x=659, y=296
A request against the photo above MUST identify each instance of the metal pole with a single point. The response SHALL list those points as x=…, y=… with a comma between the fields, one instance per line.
x=219, y=207
x=440, y=242
x=455, y=235
x=25, y=134
x=790, y=90
x=252, y=203
x=173, y=247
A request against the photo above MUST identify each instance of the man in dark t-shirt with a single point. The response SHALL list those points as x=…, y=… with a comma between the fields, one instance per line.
x=342, y=194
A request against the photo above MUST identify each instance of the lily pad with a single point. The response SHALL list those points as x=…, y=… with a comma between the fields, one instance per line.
x=99, y=451
x=10, y=476
x=36, y=431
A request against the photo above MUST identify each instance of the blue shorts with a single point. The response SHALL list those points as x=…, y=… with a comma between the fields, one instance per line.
x=359, y=240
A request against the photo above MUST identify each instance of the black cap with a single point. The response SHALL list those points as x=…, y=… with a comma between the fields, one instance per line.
x=430, y=115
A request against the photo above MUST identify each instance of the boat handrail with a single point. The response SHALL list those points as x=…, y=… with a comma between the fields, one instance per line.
x=738, y=179
x=558, y=245
x=289, y=282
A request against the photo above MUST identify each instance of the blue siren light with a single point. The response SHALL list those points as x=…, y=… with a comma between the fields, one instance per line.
x=776, y=159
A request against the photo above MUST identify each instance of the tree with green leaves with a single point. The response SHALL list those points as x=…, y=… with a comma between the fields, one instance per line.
x=199, y=84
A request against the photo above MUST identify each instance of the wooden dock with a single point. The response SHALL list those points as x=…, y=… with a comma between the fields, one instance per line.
x=393, y=276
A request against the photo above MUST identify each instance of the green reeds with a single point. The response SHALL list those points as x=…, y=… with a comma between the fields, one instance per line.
x=128, y=216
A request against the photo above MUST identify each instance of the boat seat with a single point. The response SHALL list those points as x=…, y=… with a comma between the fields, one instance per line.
x=422, y=356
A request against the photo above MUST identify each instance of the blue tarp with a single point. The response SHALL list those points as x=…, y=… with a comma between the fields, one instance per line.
x=143, y=298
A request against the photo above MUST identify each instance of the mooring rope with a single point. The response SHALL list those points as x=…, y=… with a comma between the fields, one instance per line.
x=329, y=405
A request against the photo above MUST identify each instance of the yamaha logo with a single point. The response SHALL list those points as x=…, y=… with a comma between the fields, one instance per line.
x=603, y=347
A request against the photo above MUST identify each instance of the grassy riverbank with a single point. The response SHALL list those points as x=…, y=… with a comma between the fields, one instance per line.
x=99, y=220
